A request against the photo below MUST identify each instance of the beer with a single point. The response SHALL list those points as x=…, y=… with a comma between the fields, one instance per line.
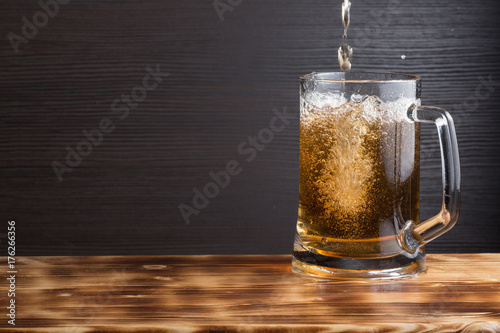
x=345, y=51
x=359, y=177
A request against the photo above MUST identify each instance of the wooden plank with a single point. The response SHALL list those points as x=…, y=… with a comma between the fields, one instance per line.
x=259, y=293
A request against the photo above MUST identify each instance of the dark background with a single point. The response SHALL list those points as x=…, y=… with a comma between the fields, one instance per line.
x=225, y=79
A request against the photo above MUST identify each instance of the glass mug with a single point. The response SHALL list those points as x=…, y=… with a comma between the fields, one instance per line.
x=359, y=176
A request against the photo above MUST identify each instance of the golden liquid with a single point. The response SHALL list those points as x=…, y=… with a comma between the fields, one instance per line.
x=359, y=179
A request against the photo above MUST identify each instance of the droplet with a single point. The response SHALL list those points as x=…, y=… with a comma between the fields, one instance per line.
x=357, y=98
x=403, y=57
x=344, y=55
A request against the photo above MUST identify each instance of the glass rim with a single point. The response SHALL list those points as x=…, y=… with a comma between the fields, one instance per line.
x=401, y=77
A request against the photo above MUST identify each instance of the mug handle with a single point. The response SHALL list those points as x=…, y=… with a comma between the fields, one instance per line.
x=413, y=236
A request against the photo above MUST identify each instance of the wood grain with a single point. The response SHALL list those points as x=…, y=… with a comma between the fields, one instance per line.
x=225, y=79
x=459, y=293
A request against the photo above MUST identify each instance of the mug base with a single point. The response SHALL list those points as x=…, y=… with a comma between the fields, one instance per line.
x=394, y=267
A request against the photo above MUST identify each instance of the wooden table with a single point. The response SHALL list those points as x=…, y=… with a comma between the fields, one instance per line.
x=247, y=293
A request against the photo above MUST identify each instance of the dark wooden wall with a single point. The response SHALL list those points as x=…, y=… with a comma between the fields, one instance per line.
x=224, y=80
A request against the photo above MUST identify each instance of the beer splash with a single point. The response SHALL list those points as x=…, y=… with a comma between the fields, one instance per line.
x=345, y=51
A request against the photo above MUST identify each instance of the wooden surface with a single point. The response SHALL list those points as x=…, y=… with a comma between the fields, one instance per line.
x=225, y=79
x=459, y=293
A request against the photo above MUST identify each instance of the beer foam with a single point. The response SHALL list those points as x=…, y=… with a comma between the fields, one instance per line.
x=316, y=101
x=373, y=108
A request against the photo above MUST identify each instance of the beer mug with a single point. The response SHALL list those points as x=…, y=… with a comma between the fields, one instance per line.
x=359, y=176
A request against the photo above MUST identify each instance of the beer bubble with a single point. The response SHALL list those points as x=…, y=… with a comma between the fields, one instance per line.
x=357, y=98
